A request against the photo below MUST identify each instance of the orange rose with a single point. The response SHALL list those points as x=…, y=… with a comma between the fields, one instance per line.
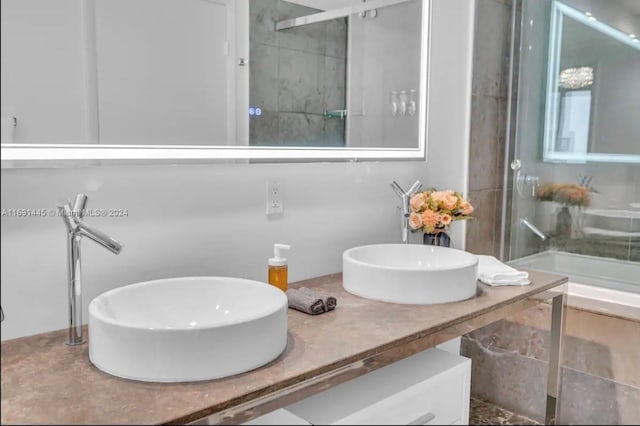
x=417, y=202
x=430, y=220
x=415, y=221
x=466, y=207
x=446, y=219
x=446, y=199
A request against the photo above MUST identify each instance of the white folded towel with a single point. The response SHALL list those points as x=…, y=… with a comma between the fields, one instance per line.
x=493, y=272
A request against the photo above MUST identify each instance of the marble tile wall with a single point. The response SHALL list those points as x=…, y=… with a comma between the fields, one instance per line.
x=601, y=380
x=295, y=75
x=488, y=119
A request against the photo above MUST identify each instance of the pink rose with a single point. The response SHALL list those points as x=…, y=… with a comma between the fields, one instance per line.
x=417, y=202
x=446, y=219
x=415, y=221
x=466, y=207
x=446, y=199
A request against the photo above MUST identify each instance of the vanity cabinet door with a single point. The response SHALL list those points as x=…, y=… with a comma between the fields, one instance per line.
x=431, y=387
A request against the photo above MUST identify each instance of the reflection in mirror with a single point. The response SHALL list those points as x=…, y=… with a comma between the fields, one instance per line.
x=164, y=72
x=125, y=72
x=593, y=100
x=308, y=80
x=193, y=73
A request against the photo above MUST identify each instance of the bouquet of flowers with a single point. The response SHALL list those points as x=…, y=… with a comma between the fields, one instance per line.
x=433, y=211
x=568, y=194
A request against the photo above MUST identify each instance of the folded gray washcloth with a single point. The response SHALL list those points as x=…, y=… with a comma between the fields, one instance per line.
x=330, y=302
x=305, y=302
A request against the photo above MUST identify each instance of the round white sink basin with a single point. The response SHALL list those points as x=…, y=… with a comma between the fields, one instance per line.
x=411, y=273
x=187, y=329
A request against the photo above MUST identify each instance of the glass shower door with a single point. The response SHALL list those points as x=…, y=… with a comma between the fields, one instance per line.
x=525, y=232
x=573, y=181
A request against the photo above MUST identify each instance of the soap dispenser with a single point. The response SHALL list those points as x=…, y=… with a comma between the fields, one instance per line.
x=278, y=275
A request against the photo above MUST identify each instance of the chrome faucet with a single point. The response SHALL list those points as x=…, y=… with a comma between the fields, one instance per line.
x=406, y=207
x=524, y=223
x=76, y=229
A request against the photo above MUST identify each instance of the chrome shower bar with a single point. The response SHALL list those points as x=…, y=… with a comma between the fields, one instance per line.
x=335, y=13
x=337, y=113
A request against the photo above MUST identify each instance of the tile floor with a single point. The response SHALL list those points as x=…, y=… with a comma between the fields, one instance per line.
x=485, y=413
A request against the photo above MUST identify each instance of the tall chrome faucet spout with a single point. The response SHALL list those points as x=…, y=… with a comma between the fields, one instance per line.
x=76, y=229
x=406, y=206
x=111, y=244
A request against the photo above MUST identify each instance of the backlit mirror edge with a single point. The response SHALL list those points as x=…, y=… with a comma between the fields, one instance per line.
x=558, y=11
x=43, y=155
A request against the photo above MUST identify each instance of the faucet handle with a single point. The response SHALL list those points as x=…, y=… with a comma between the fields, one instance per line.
x=66, y=213
x=398, y=189
x=402, y=193
x=414, y=188
x=79, y=205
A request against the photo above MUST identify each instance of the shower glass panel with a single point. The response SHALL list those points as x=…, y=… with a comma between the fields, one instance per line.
x=573, y=178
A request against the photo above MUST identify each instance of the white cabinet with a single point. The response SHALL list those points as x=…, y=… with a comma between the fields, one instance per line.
x=279, y=417
x=452, y=345
x=431, y=387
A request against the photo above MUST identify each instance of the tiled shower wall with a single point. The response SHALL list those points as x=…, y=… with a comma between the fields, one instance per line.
x=488, y=118
x=295, y=76
x=601, y=381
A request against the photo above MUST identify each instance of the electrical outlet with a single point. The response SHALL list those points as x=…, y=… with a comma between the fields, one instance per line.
x=274, y=198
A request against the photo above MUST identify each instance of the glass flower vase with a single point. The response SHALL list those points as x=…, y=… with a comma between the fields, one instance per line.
x=440, y=239
x=564, y=222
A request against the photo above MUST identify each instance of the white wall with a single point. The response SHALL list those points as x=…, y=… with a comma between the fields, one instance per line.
x=43, y=84
x=209, y=219
x=163, y=72
x=157, y=71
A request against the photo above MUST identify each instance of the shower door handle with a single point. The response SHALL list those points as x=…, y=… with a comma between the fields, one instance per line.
x=524, y=179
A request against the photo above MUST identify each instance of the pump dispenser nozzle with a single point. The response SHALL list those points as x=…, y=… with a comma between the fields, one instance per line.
x=277, y=259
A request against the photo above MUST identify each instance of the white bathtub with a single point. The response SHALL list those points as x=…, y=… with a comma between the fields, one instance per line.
x=604, y=285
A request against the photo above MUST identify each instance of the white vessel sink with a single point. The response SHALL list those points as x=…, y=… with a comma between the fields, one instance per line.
x=411, y=273
x=187, y=329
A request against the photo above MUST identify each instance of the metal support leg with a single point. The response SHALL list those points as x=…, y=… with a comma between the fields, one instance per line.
x=554, y=380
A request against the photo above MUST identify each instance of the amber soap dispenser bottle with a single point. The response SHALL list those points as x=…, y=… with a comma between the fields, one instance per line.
x=278, y=268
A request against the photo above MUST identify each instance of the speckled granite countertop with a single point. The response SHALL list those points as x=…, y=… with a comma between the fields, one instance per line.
x=45, y=381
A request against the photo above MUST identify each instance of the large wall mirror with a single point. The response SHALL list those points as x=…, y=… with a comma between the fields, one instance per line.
x=593, y=87
x=199, y=79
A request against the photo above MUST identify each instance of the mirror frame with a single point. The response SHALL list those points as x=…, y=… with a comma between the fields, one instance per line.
x=38, y=155
x=558, y=11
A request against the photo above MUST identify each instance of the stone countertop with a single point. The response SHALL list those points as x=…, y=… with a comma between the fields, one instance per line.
x=45, y=381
